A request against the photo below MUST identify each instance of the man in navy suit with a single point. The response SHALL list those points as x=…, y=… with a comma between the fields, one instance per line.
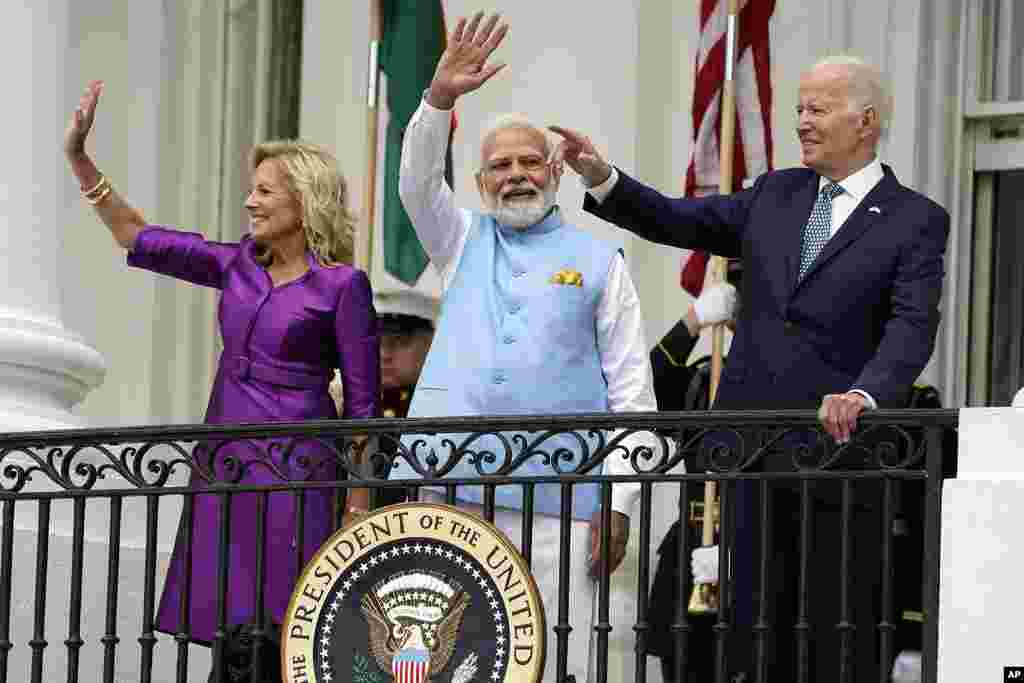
x=839, y=309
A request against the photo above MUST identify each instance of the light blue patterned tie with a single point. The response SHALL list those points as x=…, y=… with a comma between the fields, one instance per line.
x=819, y=227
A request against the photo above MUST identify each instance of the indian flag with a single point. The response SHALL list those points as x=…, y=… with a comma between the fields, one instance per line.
x=412, y=41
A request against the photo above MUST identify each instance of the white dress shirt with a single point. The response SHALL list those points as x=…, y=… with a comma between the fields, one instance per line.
x=855, y=188
x=443, y=228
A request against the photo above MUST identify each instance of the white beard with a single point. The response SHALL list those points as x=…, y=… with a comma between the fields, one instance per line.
x=523, y=215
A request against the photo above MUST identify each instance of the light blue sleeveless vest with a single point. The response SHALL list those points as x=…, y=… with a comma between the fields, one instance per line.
x=511, y=340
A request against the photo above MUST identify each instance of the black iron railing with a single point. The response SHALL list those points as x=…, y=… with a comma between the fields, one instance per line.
x=85, y=470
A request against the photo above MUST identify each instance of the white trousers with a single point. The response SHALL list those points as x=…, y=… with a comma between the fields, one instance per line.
x=544, y=567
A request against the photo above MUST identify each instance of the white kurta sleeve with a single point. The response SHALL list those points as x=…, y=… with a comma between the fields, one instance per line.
x=440, y=225
x=626, y=364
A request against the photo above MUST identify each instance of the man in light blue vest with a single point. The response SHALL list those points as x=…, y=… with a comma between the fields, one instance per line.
x=537, y=317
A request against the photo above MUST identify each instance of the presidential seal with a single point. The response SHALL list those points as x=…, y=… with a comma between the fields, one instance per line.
x=415, y=593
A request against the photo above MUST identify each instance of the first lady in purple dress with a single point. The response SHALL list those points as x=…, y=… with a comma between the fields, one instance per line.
x=290, y=312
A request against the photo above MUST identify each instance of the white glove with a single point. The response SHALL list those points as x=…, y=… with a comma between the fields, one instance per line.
x=704, y=564
x=716, y=304
x=907, y=667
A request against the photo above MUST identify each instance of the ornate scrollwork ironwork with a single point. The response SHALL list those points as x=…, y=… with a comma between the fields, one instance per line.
x=562, y=445
x=497, y=453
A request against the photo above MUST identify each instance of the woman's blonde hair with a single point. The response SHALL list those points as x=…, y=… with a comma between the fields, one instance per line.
x=311, y=173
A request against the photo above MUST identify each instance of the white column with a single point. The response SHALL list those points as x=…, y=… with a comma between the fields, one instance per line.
x=980, y=601
x=44, y=368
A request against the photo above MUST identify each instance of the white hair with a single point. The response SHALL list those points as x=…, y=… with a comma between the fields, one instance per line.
x=867, y=87
x=513, y=120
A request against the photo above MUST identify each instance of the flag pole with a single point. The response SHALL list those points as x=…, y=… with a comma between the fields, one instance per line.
x=357, y=501
x=364, y=238
x=718, y=266
x=726, y=139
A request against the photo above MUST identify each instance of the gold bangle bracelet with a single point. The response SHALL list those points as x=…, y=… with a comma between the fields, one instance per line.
x=95, y=187
x=103, y=195
x=103, y=188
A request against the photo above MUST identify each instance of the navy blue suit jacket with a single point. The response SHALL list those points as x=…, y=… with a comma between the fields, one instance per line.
x=865, y=315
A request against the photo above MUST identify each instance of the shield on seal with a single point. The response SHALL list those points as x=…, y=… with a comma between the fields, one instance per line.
x=410, y=666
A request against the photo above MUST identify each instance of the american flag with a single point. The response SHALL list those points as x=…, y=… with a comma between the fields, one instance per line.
x=753, y=142
x=410, y=666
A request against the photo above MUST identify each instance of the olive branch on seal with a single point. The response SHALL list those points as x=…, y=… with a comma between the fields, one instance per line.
x=362, y=672
x=465, y=672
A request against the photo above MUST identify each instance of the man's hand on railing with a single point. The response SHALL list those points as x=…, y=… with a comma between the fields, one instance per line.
x=838, y=414
x=617, y=547
x=704, y=564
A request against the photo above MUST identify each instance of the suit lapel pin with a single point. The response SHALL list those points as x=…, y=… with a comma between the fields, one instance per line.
x=874, y=209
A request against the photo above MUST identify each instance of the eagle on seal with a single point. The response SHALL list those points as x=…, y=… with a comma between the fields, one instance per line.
x=410, y=647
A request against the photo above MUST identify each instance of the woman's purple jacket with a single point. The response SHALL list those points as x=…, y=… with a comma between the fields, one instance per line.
x=281, y=345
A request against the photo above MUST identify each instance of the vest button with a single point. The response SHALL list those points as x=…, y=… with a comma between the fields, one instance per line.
x=499, y=378
x=509, y=339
